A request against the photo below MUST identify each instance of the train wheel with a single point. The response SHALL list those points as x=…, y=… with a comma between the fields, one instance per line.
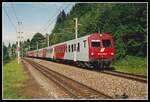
x=107, y=64
x=99, y=66
x=102, y=65
x=95, y=65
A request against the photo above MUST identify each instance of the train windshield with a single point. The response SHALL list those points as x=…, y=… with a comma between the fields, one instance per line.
x=106, y=43
x=96, y=43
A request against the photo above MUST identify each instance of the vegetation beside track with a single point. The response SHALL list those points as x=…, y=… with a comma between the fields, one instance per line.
x=13, y=78
x=6, y=58
x=132, y=64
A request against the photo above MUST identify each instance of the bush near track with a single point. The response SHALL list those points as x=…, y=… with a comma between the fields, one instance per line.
x=13, y=78
x=132, y=64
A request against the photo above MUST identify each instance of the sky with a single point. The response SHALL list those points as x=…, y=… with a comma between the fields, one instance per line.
x=35, y=17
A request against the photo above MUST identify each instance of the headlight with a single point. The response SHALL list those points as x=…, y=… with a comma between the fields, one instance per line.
x=112, y=53
x=92, y=53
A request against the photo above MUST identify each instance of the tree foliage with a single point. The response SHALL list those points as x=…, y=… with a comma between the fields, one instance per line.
x=61, y=17
x=37, y=38
x=5, y=54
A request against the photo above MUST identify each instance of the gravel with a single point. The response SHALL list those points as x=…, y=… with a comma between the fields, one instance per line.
x=108, y=84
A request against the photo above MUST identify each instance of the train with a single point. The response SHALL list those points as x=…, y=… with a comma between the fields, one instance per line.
x=97, y=50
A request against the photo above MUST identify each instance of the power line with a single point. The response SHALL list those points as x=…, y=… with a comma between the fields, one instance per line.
x=18, y=34
x=52, y=20
x=19, y=23
x=10, y=19
x=51, y=17
x=14, y=12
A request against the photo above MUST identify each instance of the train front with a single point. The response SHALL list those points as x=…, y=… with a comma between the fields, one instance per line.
x=101, y=49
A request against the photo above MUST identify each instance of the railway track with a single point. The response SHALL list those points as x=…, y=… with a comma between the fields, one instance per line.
x=74, y=88
x=130, y=76
x=111, y=71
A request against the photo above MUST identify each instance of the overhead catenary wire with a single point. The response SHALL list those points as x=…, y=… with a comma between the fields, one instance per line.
x=19, y=23
x=10, y=19
x=14, y=12
x=55, y=17
x=50, y=19
x=18, y=20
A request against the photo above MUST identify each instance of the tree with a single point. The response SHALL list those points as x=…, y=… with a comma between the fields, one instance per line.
x=9, y=45
x=14, y=50
x=61, y=16
x=5, y=54
x=38, y=37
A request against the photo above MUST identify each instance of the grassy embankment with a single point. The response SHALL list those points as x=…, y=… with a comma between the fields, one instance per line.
x=132, y=64
x=13, y=78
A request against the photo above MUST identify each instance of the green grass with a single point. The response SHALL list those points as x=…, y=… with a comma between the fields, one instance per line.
x=13, y=78
x=132, y=64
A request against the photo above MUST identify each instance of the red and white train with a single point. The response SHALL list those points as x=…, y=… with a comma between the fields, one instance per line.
x=94, y=49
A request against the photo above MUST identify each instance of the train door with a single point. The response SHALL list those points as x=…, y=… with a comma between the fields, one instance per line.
x=44, y=52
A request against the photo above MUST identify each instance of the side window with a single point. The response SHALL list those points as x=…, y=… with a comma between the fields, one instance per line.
x=78, y=47
x=69, y=48
x=66, y=48
x=74, y=47
x=84, y=42
x=49, y=50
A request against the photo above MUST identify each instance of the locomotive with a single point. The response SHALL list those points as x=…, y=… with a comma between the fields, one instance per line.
x=97, y=50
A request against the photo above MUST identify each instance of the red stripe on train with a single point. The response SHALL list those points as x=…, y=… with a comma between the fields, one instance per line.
x=60, y=51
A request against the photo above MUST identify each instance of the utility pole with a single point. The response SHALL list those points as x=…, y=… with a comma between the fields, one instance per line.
x=18, y=48
x=48, y=40
x=76, y=35
x=76, y=28
x=99, y=30
x=22, y=44
x=37, y=45
x=29, y=47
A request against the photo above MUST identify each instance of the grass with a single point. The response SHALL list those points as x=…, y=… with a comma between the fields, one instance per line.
x=13, y=78
x=132, y=64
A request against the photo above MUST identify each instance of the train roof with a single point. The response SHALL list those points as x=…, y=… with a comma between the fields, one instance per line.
x=104, y=35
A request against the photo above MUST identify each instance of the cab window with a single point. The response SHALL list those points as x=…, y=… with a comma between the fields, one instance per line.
x=106, y=43
x=96, y=43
